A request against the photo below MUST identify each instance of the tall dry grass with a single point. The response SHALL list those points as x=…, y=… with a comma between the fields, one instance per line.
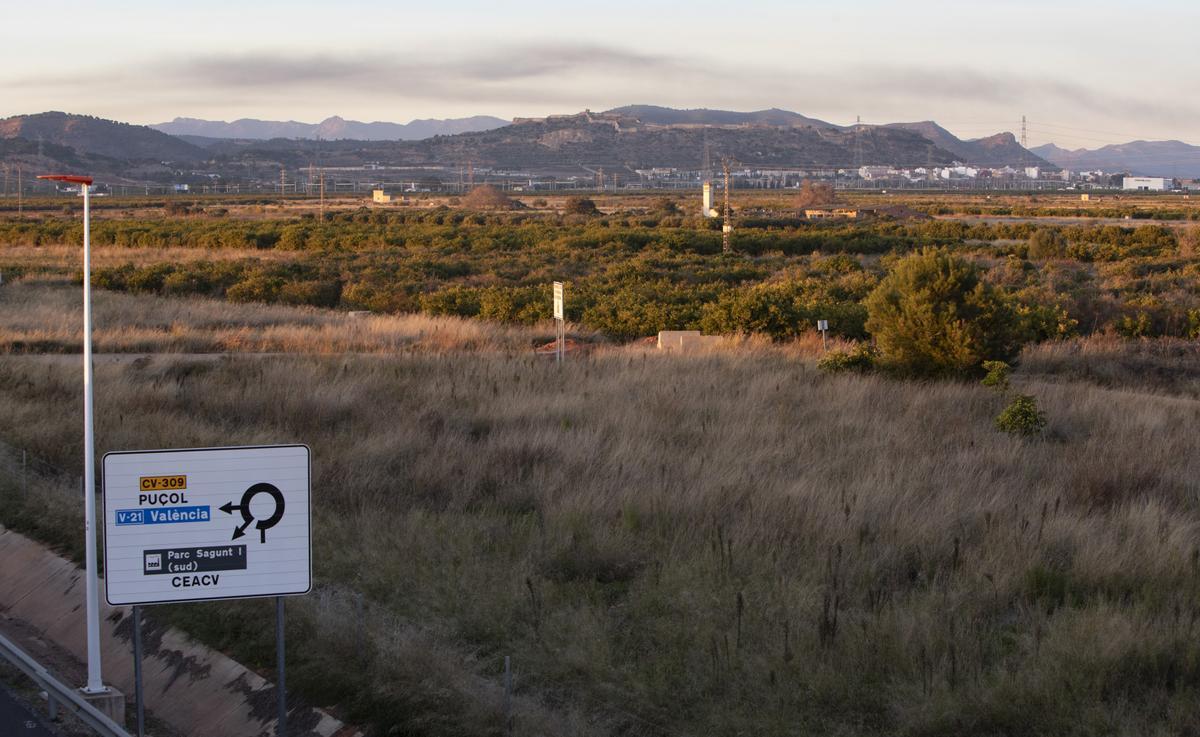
x=1163, y=365
x=69, y=259
x=732, y=543
x=45, y=316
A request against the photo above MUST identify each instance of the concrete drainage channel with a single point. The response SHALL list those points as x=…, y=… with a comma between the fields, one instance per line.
x=195, y=691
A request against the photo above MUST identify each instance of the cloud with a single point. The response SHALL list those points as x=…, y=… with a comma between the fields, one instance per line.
x=548, y=70
x=967, y=85
x=482, y=67
x=564, y=76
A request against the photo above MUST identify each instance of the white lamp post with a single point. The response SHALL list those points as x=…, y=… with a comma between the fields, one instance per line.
x=95, y=682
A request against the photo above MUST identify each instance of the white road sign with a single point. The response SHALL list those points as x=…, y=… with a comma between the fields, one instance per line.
x=206, y=523
x=558, y=300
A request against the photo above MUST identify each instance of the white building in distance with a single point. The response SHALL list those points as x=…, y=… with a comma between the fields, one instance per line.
x=1146, y=184
x=875, y=172
x=959, y=172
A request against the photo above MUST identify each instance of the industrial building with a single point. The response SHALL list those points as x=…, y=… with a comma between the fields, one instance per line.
x=1146, y=184
x=707, y=207
x=876, y=172
x=831, y=213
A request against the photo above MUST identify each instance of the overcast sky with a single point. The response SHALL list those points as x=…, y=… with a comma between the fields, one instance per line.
x=1085, y=73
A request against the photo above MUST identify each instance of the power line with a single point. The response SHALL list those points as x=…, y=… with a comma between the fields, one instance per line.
x=1130, y=136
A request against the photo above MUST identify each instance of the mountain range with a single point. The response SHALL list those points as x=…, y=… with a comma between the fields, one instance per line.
x=1146, y=158
x=1001, y=149
x=91, y=135
x=572, y=144
x=329, y=129
x=621, y=139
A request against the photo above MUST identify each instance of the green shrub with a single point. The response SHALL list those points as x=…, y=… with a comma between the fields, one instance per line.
x=257, y=288
x=933, y=315
x=457, y=301
x=860, y=358
x=1048, y=243
x=1189, y=242
x=1022, y=417
x=997, y=375
x=1134, y=326
x=666, y=205
x=579, y=206
x=149, y=279
x=315, y=293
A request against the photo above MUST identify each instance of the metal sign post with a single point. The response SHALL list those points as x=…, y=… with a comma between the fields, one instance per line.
x=823, y=326
x=205, y=524
x=560, y=322
x=137, y=671
x=280, y=670
x=95, y=683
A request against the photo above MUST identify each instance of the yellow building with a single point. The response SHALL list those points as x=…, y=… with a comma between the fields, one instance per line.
x=831, y=213
x=381, y=197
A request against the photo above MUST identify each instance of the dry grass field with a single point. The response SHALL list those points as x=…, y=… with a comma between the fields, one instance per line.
x=45, y=316
x=727, y=544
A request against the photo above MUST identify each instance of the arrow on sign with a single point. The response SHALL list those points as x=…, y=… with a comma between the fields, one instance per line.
x=248, y=517
x=240, y=530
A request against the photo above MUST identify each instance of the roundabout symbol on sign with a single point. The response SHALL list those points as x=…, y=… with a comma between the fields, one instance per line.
x=248, y=517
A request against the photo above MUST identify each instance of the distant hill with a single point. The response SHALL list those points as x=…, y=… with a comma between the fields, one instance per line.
x=1146, y=158
x=334, y=128
x=704, y=116
x=90, y=135
x=1001, y=149
x=617, y=143
x=244, y=128
x=38, y=157
x=41, y=157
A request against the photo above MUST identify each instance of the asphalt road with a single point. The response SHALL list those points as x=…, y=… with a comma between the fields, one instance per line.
x=16, y=720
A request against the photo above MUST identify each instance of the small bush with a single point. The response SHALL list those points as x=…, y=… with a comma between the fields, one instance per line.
x=1022, y=417
x=1134, y=326
x=1048, y=243
x=592, y=560
x=861, y=358
x=487, y=197
x=997, y=375
x=1189, y=242
x=579, y=206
